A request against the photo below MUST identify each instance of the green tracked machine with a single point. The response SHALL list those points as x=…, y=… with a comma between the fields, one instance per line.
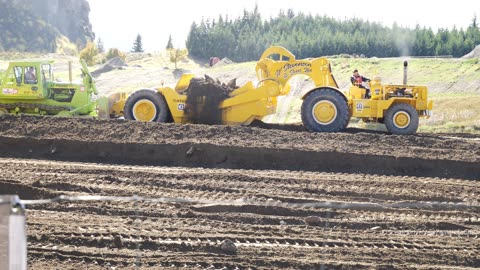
x=29, y=87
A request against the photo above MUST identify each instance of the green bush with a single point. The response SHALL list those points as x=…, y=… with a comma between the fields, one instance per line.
x=89, y=53
x=64, y=46
x=101, y=58
x=472, y=61
x=114, y=52
x=177, y=55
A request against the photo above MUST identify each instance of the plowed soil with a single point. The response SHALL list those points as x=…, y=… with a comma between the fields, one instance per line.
x=285, y=197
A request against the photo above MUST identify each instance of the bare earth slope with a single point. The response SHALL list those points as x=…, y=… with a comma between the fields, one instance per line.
x=239, y=147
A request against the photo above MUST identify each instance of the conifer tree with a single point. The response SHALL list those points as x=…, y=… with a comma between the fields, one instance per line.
x=137, y=45
x=246, y=37
x=100, y=47
x=169, y=43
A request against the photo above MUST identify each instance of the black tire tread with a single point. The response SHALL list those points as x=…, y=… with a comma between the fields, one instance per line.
x=411, y=128
x=155, y=97
x=343, y=113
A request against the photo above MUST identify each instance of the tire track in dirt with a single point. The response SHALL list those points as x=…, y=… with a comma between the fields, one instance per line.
x=97, y=235
x=429, y=216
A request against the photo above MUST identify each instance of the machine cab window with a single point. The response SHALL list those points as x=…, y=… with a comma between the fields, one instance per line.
x=18, y=72
x=46, y=72
x=31, y=75
x=279, y=57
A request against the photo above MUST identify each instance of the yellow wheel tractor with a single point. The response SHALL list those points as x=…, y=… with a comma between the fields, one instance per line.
x=397, y=106
x=324, y=109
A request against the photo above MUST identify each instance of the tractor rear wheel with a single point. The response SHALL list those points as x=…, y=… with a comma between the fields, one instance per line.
x=401, y=119
x=146, y=106
x=325, y=110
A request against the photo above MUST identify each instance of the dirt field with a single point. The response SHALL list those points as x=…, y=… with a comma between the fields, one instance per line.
x=284, y=197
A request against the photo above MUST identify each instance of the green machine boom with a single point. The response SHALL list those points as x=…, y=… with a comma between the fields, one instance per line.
x=29, y=87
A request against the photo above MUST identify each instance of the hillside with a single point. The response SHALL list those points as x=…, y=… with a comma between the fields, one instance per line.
x=69, y=17
x=42, y=25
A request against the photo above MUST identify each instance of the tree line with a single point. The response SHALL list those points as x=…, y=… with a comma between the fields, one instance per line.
x=245, y=38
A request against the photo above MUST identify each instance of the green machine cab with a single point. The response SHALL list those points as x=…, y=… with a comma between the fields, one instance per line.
x=29, y=87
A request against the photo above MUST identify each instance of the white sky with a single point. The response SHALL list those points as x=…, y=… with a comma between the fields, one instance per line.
x=117, y=22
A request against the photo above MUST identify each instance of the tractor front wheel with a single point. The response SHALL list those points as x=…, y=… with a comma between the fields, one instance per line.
x=146, y=106
x=325, y=110
x=401, y=119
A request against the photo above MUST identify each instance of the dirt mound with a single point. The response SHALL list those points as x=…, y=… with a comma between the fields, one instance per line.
x=114, y=63
x=225, y=61
x=285, y=137
x=290, y=127
x=475, y=53
x=130, y=142
x=204, y=98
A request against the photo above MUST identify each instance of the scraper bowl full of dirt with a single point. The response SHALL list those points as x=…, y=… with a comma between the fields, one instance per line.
x=204, y=96
x=200, y=100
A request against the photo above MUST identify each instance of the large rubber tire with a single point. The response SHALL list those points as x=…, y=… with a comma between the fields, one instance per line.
x=401, y=119
x=325, y=110
x=146, y=106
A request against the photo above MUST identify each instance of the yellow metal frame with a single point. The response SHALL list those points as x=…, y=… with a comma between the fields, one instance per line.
x=244, y=105
x=250, y=101
x=287, y=67
x=382, y=100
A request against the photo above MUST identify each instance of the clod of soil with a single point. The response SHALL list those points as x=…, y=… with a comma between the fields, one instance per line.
x=228, y=246
x=204, y=98
x=313, y=221
x=118, y=241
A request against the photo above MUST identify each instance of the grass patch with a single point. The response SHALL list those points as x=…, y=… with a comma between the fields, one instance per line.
x=438, y=74
x=14, y=56
x=454, y=113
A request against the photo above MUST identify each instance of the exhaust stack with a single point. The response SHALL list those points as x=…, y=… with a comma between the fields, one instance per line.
x=405, y=70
